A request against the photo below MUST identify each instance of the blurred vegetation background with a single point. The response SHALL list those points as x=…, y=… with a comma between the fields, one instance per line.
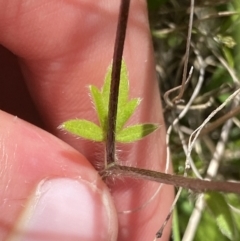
x=215, y=56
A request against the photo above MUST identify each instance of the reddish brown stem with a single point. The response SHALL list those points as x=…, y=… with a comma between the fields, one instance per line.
x=115, y=80
x=196, y=185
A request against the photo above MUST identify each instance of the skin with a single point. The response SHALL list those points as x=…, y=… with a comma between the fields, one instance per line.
x=51, y=51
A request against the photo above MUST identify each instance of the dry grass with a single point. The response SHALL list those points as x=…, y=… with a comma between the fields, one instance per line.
x=214, y=55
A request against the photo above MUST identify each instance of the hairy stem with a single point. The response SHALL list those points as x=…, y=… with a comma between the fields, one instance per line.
x=196, y=185
x=115, y=80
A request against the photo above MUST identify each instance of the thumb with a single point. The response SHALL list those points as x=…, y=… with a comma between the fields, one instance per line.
x=64, y=209
x=49, y=191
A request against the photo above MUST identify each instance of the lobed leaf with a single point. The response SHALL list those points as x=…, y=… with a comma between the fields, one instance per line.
x=106, y=87
x=91, y=131
x=126, y=112
x=85, y=129
x=123, y=87
x=135, y=133
x=99, y=105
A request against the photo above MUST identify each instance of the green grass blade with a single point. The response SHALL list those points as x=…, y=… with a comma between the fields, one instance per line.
x=175, y=226
x=223, y=216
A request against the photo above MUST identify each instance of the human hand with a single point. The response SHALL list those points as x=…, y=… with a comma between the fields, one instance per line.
x=49, y=190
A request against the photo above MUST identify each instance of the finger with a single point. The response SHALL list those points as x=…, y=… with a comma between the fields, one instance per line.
x=60, y=58
x=44, y=193
x=14, y=96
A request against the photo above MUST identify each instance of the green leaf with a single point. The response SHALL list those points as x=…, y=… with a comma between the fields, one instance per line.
x=99, y=105
x=126, y=108
x=106, y=87
x=84, y=128
x=126, y=113
x=223, y=216
x=123, y=87
x=135, y=133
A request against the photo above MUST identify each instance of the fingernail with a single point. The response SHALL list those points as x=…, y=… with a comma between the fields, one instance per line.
x=65, y=209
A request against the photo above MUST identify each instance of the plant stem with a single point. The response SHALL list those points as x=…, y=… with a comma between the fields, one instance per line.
x=196, y=185
x=187, y=52
x=115, y=80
